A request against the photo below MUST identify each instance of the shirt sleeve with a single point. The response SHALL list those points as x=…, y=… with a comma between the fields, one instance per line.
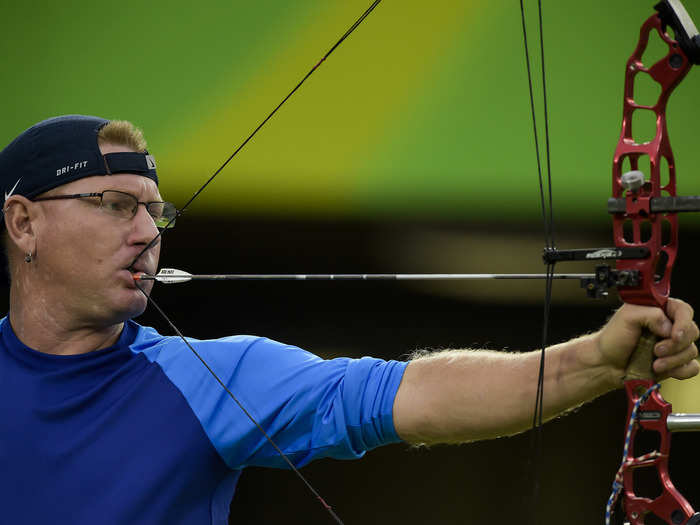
x=310, y=407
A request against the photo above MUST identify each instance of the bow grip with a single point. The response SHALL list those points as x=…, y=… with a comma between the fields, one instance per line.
x=641, y=360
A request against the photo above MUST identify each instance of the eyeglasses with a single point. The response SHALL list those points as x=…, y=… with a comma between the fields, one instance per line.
x=124, y=206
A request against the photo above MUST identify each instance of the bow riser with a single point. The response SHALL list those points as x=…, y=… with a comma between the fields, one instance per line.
x=639, y=227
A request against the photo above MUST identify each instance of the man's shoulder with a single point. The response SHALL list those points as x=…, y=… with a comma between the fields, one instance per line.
x=168, y=348
x=146, y=336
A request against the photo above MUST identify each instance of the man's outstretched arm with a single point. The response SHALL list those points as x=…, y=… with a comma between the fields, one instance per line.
x=465, y=395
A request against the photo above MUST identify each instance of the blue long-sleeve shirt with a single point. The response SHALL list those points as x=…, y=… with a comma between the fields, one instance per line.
x=141, y=433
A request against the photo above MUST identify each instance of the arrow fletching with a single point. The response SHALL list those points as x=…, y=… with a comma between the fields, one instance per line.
x=172, y=276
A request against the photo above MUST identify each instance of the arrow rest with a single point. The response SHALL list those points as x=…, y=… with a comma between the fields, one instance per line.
x=606, y=278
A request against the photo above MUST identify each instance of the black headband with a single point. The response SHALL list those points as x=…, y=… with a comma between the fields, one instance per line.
x=60, y=150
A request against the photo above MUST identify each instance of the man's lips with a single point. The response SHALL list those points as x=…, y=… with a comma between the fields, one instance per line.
x=137, y=270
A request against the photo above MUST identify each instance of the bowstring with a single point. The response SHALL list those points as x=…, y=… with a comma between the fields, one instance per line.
x=546, y=203
x=156, y=239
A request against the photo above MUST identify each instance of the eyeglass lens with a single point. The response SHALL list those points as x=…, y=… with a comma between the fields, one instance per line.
x=126, y=205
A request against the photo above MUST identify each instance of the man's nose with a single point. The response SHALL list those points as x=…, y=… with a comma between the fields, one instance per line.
x=144, y=225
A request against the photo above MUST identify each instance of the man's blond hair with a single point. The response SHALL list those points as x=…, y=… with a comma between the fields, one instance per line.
x=122, y=133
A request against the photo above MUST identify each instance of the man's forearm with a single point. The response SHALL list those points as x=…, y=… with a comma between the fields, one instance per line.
x=466, y=395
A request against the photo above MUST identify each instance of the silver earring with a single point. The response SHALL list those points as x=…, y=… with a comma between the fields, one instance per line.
x=28, y=257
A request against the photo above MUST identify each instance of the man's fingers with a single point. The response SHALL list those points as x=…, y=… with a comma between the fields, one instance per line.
x=685, y=371
x=654, y=319
x=677, y=353
x=676, y=324
x=683, y=340
x=682, y=362
x=684, y=329
x=678, y=309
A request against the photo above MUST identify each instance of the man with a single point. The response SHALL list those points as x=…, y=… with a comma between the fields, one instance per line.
x=105, y=421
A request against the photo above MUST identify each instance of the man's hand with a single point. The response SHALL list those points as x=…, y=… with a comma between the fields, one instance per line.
x=675, y=351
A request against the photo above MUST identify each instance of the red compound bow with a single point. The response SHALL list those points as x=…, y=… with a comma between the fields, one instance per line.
x=645, y=228
x=650, y=221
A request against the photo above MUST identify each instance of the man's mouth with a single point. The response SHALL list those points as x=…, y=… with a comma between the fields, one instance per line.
x=137, y=270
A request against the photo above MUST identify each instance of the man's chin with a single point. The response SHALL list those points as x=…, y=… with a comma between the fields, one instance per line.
x=133, y=305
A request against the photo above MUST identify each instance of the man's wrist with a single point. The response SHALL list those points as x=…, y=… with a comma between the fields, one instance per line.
x=612, y=374
x=600, y=373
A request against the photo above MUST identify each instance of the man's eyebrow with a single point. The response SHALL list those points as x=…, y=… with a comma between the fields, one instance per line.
x=157, y=198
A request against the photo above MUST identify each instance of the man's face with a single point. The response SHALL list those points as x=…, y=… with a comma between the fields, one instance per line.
x=83, y=252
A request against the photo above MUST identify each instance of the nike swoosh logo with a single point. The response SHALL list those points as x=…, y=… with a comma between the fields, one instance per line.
x=8, y=195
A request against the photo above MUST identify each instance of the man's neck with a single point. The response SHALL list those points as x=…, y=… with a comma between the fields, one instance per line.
x=47, y=329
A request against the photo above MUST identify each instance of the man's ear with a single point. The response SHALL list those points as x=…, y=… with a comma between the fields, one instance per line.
x=20, y=214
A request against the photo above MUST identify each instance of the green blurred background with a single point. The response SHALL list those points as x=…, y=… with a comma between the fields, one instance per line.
x=422, y=112
x=410, y=149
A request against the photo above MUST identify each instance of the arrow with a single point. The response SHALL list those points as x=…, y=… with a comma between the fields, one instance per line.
x=174, y=276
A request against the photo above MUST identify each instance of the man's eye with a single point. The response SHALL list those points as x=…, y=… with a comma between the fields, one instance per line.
x=155, y=210
x=118, y=206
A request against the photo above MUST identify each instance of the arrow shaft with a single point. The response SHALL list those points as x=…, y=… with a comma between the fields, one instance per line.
x=364, y=277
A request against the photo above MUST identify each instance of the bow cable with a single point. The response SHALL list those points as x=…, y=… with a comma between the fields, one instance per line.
x=153, y=241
